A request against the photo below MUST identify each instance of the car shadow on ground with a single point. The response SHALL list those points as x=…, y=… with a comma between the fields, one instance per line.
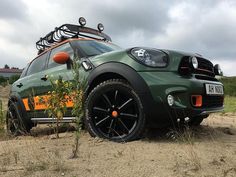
x=182, y=134
x=178, y=134
x=49, y=129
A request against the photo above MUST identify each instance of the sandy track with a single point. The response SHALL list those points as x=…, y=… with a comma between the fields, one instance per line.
x=211, y=151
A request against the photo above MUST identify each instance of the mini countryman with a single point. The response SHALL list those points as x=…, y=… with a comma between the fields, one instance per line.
x=126, y=89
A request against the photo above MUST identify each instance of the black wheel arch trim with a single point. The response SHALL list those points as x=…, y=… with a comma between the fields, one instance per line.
x=125, y=71
x=14, y=96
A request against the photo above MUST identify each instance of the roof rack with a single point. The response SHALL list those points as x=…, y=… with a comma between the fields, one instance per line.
x=68, y=31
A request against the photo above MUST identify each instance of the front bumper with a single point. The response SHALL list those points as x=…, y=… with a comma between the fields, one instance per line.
x=162, y=84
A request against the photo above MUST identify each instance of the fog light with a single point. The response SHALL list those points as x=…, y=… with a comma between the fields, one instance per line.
x=170, y=100
x=197, y=100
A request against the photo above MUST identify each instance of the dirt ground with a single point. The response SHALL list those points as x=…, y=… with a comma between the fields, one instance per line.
x=206, y=151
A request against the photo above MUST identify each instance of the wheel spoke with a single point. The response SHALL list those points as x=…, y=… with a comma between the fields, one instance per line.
x=102, y=121
x=125, y=104
x=129, y=116
x=107, y=100
x=100, y=109
x=110, y=127
x=122, y=123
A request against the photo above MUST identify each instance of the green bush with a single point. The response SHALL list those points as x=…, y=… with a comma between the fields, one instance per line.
x=229, y=85
x=3, y=80
x=13, y=78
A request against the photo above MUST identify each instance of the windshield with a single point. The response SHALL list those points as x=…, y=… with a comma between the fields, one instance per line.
x=92, y=47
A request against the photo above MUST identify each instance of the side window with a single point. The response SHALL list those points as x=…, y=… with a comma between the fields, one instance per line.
x=62, y=48
x=37, y=64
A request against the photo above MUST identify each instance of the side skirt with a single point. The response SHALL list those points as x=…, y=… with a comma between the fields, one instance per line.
x=53, y=120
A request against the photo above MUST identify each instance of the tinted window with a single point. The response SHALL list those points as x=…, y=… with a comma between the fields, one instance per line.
x=62, y=48
x=37, y=64
x=93, y=47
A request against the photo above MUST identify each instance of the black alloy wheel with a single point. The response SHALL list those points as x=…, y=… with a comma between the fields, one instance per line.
x=114, y=111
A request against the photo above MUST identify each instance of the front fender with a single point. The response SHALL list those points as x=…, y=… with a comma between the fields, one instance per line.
x=125, y=71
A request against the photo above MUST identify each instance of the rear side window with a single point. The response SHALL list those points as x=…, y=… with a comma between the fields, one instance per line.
x=62, y=48
x=37, y=64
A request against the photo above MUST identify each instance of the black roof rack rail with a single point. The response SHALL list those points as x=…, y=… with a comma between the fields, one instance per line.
x=68, y=31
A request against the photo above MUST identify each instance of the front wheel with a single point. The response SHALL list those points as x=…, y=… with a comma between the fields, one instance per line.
x=114, y=111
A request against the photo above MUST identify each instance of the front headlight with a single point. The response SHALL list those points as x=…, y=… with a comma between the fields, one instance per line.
x=194, y=62
x=150, y=57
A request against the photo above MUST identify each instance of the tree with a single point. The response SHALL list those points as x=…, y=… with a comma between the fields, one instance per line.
x=6, y=66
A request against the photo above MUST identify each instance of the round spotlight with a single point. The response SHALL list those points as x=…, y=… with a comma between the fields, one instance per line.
x=100, y=27
x=194, y=62
x=217, y=70
x=82, y=21
x=170, y=100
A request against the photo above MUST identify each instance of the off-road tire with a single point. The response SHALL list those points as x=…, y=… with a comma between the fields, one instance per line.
x=112, y=120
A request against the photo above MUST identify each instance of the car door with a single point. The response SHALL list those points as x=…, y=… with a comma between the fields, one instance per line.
x=54, y=70
x=29, y=86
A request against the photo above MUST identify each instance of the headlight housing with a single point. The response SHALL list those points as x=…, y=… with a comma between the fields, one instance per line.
x=150, y=57
x=194, y=62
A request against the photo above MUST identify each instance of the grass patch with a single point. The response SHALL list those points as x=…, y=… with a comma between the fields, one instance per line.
x=230, y=104
x=229, y=85
x=2, y=118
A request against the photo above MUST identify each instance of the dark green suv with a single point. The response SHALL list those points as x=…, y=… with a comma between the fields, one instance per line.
x=127, y=89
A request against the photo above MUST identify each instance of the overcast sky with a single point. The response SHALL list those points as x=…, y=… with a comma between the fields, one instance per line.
x=207, y=27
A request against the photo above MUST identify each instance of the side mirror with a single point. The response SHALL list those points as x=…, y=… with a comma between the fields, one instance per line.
x=217, y=70
x=61, y=57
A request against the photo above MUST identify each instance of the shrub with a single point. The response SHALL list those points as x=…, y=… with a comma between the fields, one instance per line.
x=3, y=80
x=229, y=85
x=13, y=78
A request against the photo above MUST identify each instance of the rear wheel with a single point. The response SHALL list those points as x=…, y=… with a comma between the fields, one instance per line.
x=114, y=111
x=15, y=124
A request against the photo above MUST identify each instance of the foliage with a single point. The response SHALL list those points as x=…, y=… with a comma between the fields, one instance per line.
x=3, y=80
x=13, y=78
x=6, y=66
x=63, y=94
x=1, y=118
x=229, y=85
x=78, y=107
x=56, y=102
x=230, y=104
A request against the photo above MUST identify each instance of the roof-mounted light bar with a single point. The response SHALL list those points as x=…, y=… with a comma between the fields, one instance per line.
x=68, y=31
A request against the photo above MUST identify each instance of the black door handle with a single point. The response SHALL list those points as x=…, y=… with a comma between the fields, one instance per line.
x=19, y=85
x=44, y=78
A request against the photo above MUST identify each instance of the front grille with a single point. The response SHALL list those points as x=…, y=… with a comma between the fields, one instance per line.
x=203, y=77
x=205, y=67
x=212, y=101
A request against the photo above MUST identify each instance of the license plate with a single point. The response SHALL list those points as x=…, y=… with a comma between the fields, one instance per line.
x=214, y=89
